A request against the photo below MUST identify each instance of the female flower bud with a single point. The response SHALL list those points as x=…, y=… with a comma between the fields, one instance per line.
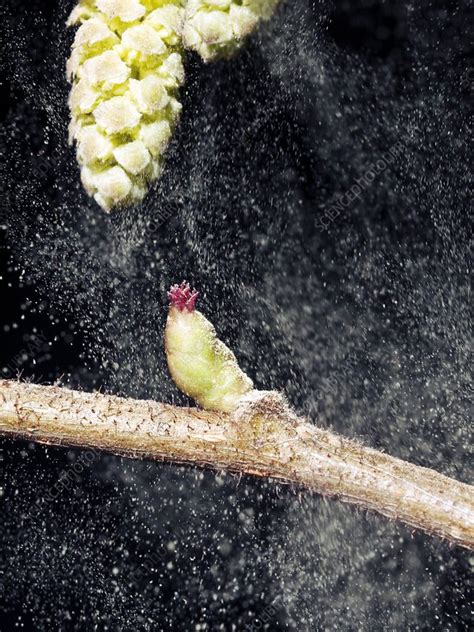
x=200, y=364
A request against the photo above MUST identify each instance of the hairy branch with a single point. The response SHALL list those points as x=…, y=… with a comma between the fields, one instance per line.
x=262, y=438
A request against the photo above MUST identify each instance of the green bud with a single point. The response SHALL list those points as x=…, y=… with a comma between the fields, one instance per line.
x=200, y=364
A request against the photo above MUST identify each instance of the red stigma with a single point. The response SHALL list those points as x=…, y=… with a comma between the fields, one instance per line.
x=182, y=297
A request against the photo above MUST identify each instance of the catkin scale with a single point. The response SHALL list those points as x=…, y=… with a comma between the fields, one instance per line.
x=126, y=67
x=217, y=28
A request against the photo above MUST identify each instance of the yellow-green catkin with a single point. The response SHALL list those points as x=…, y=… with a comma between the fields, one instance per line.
x=217, y=28
x=200, y=364
x=126, y=67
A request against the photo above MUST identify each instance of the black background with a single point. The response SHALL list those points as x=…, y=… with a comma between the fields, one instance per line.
x=267, y=143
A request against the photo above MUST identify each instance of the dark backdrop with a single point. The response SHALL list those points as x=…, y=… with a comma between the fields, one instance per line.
x=361, y=315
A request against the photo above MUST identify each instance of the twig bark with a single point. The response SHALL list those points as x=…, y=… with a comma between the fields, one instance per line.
x=264, y=439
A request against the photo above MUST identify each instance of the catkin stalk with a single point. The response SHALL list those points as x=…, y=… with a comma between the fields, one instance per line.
x=263, y=438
